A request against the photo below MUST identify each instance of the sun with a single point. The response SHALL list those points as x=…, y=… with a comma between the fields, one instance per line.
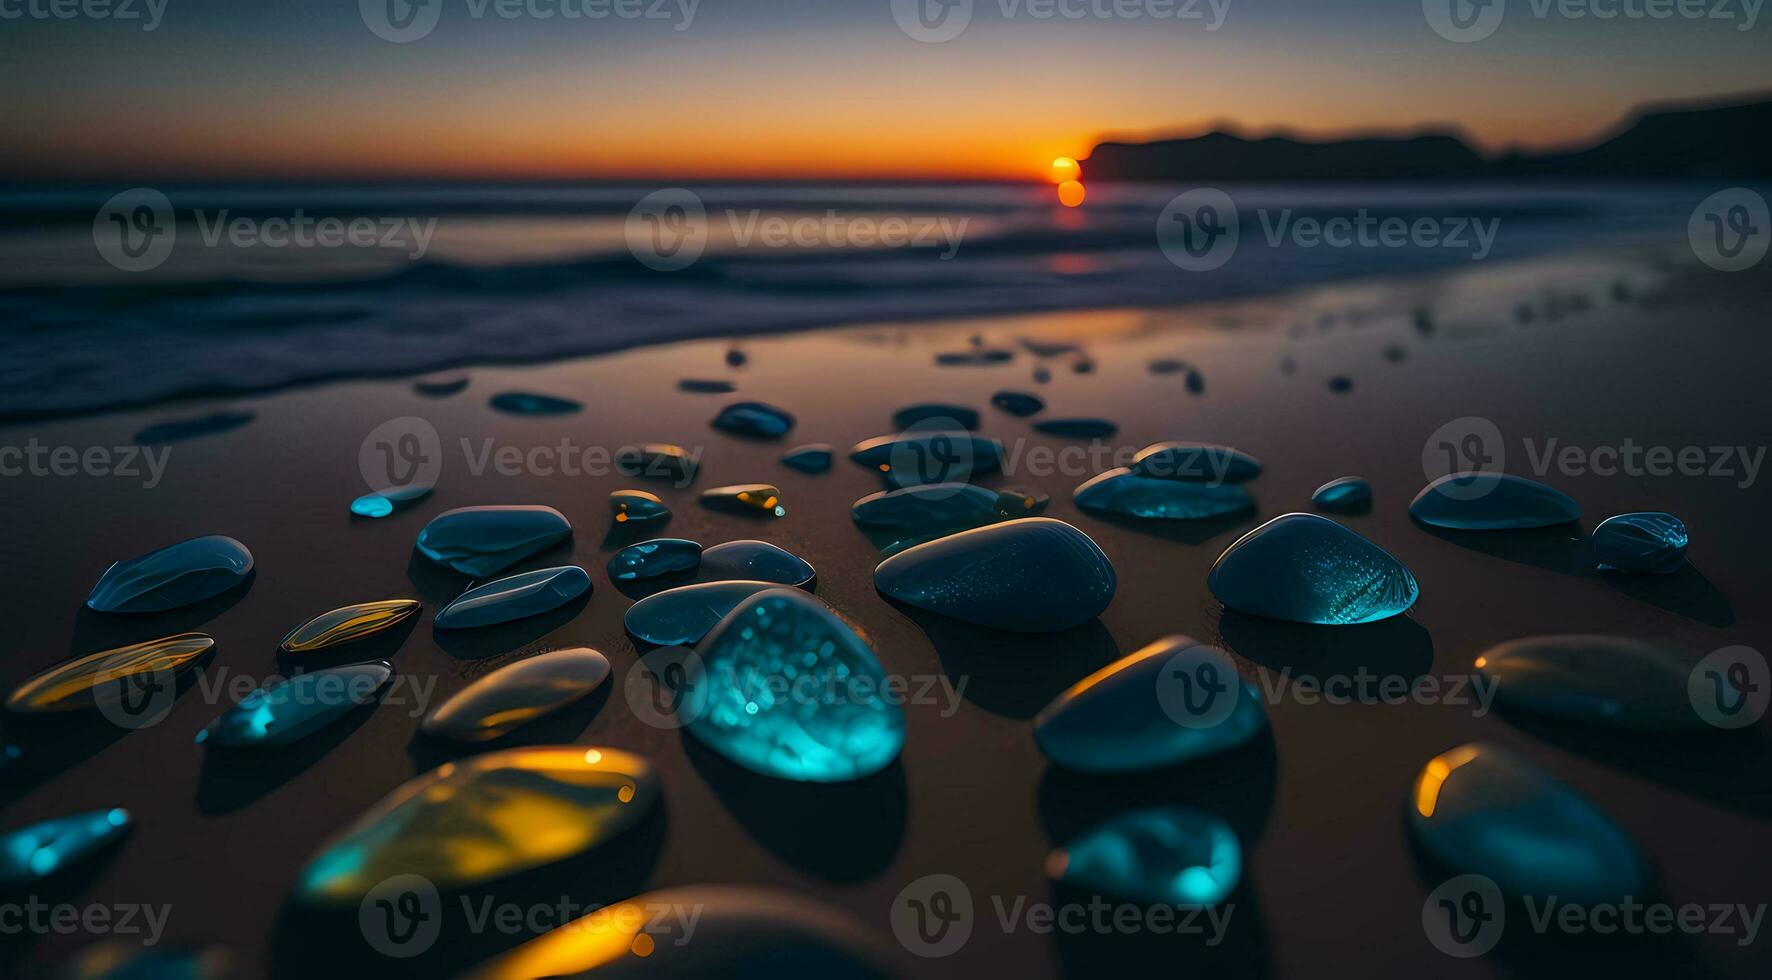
x=1065, y=168
x=1070, y=193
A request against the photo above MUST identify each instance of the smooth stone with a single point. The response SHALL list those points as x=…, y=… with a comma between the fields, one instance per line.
x=1115, y=721
x=911, y=458
x=383, y=502
x=976, y=357
x=637, y=505
x=1042, y=375
x=1643, y=542
x=1309, y=569
x=1164, y=856
x=480, y=541
x=1615, y=680
x=682, y=616
x=706, y=386
x=1199, y=462
x=1020, y=404
x=1341, y=384
x=179, y=430
x=483, y=818
x=791, y=691
x=441, y=385
x=1501, y=502
x=755, y=419
x=928, y=505
x=1196, y=382
x=755, y=561
x=1049, y=348
x=530, y=403
x=651, y=559
x=740, y=931
x=117, y=959
x=746, y=498
x=30, y=854
x=656, y=460
x=348, y=623
x=1481, y=809
x=1033, y=575
x=1077, y=428
x=1348, y=494
x=735, y=357
x=176, y=575
x=92, y=681
x=297, y=707
x=935, y=416
x=516, y=694
x=1121, y=491
x=813, y=458
x=514, y=597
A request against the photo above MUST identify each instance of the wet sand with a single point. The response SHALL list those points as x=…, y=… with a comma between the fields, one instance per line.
x=1331, y=886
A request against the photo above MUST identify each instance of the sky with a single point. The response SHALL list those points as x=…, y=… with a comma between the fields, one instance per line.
x=802, y=88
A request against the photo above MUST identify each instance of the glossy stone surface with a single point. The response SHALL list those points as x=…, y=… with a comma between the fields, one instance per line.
x=657, y=460
x=930, y=505
x=1020, y=404
x=636, y=505
x=1644, y=542
x=1482, y=809
x=514, y=597
x=441, y=385
x=1164, y=855
x=1309, y=569
x=1077, y=428
x=178, y=430
x=1613, y=680
x=706, y=386
x=682, y=616
x=1033, y=575
x=758, y=420
x=651, y=559
x=1125, y=717
x=348, y=623
x=790, y=691
x=1199, y=462
x=812, y=458
x=385, y=501
x=755, y=561
x=480, y=541
x=1491, y=502
x=935, y=416
x=93, y=681
x=517, y=694
x=176, y=575
x=483, y=818
x=1121, y=491
x=759, y=499
x=35, y=852
x=975, y=357
x=530, y=403
x=1348, y=495
x=910, y=458
x=297, y=707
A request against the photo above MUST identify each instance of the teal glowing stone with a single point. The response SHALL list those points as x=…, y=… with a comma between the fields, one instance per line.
x=529, y=403
x=790, y=691
x=33, y=853
x=1121, y=491
x=480, y=541
x=1348, y=495
x=682, y=616
x=755, y=561
x=1491, y=502
x=1645, y=542
x=910, y=458
x=1164, y=855
x=1033, y=575
x=755, y=419
x=935, y=415
x=385, y=501
x=514, y=597
x=812, y=458
x=1610, y=680
x=1309, y=569
x=1173, y=701
x=1077, y=428
x=176, y=575
x=651, y=559
x=1020, y=404
x=1481, y=809
x=297, y=707
x=1200, y=462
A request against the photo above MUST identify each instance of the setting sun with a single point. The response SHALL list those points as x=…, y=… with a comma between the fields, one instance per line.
x=1070, y=193
x=1065, y=169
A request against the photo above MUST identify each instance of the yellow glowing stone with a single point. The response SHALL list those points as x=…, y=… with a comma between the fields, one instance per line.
x=1070, y=193
x=1433, y=776
x=86, y=682
x=348, y=623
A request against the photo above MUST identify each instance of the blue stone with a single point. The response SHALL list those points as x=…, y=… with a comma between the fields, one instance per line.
x=936, y=416
x=1613, y=680
x=1164, y=856
x=929, y=505
x=1173, y=701
x=386, y=501
x=813, y=458
x=1121, y=491
x=1309, y=569
x=636, y=505
x=682, y=616
x=1643, y=542
x=441, y=385
x=1481, y=809
x=790, y=691
x=911, y=458
x=297, y=707
x=1347, y=495
x=755, y=561
x=176, y=575
x=179, y=430
x=706, y=386
x=1491, y=502
x=1341, y=384
x=530, y=403
x=1077, y=428
x=651, y=559
x=480, y=541
x=1033, y=575
x=976, y=357
x=33, y=853
x=1020, y=404
x=755, y=419
x=1198, y=462
x=514, y=597
x=1196, y=382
